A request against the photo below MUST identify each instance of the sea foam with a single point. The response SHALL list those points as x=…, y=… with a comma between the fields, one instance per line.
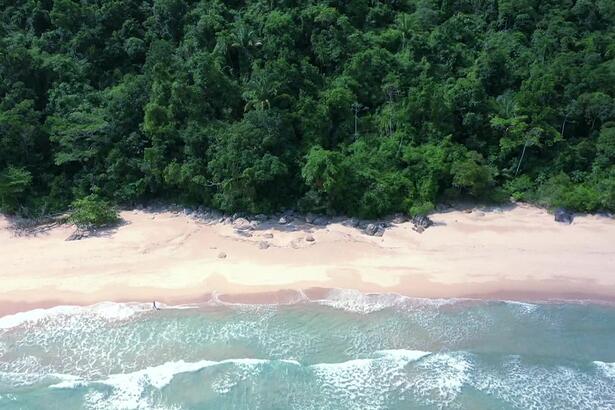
x=607, y=368
x=103, y=310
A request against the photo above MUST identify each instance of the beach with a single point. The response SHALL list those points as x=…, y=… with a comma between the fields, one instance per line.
x=515, y=253
x=488, y=308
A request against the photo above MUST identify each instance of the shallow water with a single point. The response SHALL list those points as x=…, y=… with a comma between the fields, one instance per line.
x=350, y=351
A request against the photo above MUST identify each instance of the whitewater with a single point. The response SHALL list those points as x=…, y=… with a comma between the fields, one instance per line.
x=346, y=351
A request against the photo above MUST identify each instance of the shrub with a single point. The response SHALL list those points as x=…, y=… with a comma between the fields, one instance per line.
x=13, y=183
x=93, y=212
x=421, y=209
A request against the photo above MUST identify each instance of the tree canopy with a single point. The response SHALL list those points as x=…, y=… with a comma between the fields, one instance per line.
x=357, y=107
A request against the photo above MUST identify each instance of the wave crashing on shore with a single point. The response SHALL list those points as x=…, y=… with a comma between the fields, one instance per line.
x=342, y=350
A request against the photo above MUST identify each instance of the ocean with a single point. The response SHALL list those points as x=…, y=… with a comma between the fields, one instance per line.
x=346, y=351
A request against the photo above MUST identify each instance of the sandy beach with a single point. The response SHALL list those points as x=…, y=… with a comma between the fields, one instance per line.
x=519, y=253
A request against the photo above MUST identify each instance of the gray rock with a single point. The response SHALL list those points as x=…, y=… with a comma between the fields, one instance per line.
x=421, y=223
x=374, y=230
x=352, y=222
x=309, y=218
x=242, y=224
x=321, y=220
x=563, y=216
x=263, y=245
x=285, y=220
x=260, y=217
x=309, y=238
x=268, y=235
x=227, y=221
x=222, y=255
x=399, y=219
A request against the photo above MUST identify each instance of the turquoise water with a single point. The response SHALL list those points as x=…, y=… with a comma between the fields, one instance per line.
x=350, y=351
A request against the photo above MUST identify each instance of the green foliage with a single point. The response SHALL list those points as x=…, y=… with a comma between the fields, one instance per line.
x=360, y=107
x=13, y=184
x=92, y=212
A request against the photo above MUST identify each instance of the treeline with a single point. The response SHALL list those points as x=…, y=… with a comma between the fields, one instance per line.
x=361, y=107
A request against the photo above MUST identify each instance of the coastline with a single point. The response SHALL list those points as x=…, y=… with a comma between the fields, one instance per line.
x=519, y=253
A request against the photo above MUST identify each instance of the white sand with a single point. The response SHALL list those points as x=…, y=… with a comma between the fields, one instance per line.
x=519, y=253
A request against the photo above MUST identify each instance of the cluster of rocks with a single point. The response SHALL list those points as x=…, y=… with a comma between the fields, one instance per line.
x=244, y=224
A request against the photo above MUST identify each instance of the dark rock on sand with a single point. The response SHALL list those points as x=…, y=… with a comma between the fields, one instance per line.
x=399, y=219
x=309, y=238
x=421, y=223
x=263, y=245
x=352, y=222
x=563, y=216
x=374, y=229
x=222, y=255
x=242, y=224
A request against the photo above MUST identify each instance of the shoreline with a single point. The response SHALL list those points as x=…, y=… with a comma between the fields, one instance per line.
x=518, y=254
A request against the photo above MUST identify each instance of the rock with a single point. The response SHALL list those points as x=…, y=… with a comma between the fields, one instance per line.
x=227, y=221
x=222, y=255
x=268, y=235
x=242, y=224
x=321, y=220
x=563, y=216
x=352, y=222
x=309, y=218
x=260, y=217
x=309, y=238
x=284, y=220
x=421, y=223
x=263, y=245
x=374, y=230
x=399, y=219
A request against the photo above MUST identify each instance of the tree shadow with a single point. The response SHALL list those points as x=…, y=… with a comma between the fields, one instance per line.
x=25, y=227
x=106, y=231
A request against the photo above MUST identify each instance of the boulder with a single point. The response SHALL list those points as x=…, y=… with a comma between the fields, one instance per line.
x=563, y=216
x=374, y=230
x=268, y=235
x=242, y=224
x=285, y=219
x=421, y=223
x=309, y=218
x=399, y=219
x=263, y=245
x=352, y=222
x=222, y=255
x=321, y=221
x=309, y=238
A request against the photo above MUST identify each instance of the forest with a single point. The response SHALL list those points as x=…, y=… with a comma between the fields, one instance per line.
x=357, y=107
